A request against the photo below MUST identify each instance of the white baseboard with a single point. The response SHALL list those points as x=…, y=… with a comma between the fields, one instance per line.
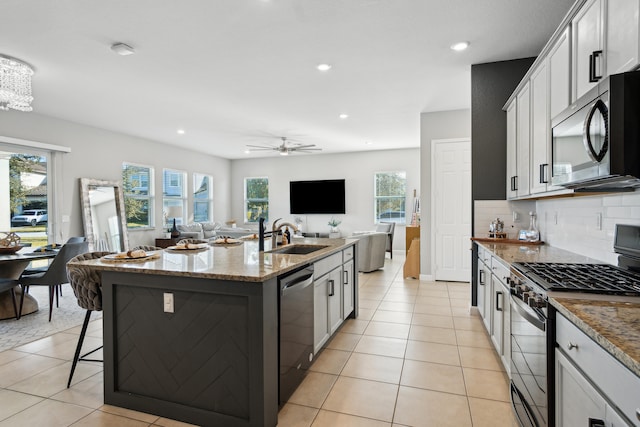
x=426, y=277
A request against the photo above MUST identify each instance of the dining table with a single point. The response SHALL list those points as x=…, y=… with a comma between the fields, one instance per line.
x=11, y=267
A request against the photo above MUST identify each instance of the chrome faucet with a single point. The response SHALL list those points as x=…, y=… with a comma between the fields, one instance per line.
x=276, y=228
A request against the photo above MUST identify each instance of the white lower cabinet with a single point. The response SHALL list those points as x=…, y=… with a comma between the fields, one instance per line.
x=327, y=305
x=580, y=363
x=347, y=288
x=578, y=403
x=501, y=323
x=333, y=294
x=493, y=302
x=484, y=290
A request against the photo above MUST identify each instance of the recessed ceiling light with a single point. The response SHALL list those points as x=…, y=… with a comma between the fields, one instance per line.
x=180, y=131
x=122, y=49
x=324, y=67
x=368, y=143
x=458, y=47
x=343, y=116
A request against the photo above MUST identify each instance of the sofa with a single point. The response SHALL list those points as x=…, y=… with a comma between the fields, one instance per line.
x=371, y=250
x=211, y=230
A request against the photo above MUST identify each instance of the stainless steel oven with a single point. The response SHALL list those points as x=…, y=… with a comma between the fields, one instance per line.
x=529, y=349
x=532, y=323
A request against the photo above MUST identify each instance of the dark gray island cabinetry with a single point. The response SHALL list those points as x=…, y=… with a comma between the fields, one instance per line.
x=193, y=336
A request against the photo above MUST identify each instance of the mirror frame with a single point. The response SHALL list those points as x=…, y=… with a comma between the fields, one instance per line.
x=85, y=186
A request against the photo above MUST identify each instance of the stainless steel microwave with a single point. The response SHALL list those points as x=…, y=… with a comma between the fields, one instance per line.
x=595, y=144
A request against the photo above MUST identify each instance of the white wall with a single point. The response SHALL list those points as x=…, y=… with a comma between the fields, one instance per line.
x=357, y=169
x=436, y=125
x=97, y=153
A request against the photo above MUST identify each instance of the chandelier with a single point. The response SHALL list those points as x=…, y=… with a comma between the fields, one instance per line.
x=15, y=84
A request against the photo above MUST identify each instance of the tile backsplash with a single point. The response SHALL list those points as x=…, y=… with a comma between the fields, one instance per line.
x=584, y=225
x=488, y=210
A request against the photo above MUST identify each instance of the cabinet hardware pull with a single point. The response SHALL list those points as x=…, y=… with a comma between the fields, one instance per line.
x=331, y=287
x=345, y=277
x=594, y=422
x=543, y=173
x=571, y=346
x=514, y=183
x=597, y=54
x=498, y=295
x=591, y=69
x=482, y=277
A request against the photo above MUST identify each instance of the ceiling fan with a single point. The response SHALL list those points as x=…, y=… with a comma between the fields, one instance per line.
x=285, y=148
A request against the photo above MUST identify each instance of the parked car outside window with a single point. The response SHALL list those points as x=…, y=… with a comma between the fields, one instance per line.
x=30, y=217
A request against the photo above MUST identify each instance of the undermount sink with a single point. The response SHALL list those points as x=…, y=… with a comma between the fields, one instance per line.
x=297, y=249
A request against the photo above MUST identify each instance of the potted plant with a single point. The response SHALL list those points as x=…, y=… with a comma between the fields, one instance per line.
x=334, y=223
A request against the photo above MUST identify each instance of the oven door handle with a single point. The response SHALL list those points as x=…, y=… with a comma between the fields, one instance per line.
x=524, y=311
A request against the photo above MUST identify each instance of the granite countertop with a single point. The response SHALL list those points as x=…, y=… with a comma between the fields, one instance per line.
x=241, y=262
x=611, y=321
x=511, y=253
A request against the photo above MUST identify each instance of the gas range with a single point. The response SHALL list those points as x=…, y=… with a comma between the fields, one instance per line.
x=587, y=278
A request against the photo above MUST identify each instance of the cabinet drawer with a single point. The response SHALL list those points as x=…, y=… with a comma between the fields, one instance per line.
x=619, y=385
x=347, y=254
x=484, y=256
x=500, y=270
x=325, y=265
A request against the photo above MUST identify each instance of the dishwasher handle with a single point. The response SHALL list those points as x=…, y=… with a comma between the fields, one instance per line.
x=298, y=284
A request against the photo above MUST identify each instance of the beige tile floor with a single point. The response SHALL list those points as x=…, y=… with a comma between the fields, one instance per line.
x=415, y=356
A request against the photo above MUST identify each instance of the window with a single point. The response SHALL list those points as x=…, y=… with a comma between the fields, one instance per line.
x=24, y=201
x=202, y=198
x=390, y=196
x=137, y=183
x=256, y=199
x=173, y=196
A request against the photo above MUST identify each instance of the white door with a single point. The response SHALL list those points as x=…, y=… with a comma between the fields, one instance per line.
x=451, y=180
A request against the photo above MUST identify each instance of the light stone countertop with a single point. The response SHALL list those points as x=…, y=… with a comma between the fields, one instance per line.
x=241, y=262
x=612, y=321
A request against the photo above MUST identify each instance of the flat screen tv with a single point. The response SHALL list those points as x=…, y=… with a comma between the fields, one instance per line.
x=317, y=197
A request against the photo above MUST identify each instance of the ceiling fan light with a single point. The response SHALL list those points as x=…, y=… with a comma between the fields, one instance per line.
x=284, y=153
x=324, y=67
x=122, y=49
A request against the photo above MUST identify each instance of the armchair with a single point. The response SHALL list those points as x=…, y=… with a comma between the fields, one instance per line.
x=371, y=251
x=389, y=228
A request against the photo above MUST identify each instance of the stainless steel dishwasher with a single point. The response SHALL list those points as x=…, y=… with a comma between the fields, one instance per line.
x=295, y=329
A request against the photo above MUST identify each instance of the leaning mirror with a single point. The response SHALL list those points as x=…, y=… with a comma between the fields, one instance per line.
x=103, y=213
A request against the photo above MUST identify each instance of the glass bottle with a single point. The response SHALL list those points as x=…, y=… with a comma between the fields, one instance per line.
x=533, y=235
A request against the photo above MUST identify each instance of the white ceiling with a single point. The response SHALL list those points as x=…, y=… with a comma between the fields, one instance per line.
x=237, y=72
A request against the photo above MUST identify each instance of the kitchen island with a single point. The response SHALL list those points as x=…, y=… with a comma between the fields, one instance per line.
x=193, y=335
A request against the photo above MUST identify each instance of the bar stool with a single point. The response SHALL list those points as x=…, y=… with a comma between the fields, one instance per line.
x=87, y=287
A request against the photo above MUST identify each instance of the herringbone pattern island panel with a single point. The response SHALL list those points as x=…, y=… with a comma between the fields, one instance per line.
x=221, y=365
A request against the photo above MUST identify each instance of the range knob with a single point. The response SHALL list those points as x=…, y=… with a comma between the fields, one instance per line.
x=537, y=302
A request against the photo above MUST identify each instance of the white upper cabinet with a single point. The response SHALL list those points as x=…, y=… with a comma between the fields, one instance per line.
x=518, y=144
x=559, y=62
x=622, y=35
x=523, y=112
x=512, y=171
x=587, y=40
x=540, y=129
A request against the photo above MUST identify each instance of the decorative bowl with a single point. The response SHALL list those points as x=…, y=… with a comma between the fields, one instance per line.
x=10, y=249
